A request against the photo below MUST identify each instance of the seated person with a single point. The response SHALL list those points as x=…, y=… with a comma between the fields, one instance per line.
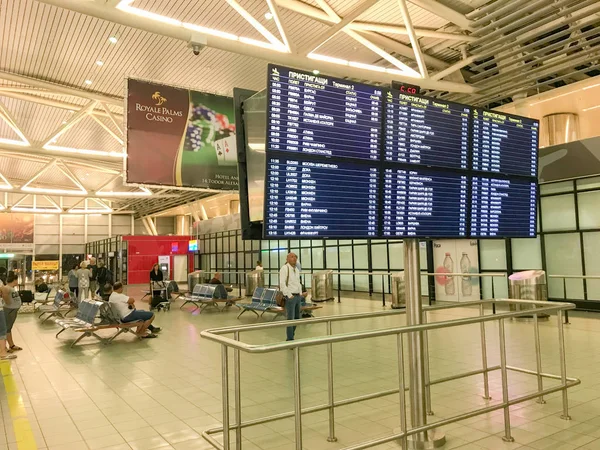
x=124, y=306
x=217, y=280
x=106, y=290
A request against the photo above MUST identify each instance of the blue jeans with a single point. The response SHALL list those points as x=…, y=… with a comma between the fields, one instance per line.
x=292, y=311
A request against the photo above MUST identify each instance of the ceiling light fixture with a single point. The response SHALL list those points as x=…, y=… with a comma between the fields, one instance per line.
x=14, y=142
x=316, y=72
x=592, y=86
x=552, y=98
x=112, y=40
x=83, y=151
x=269, y=16
x=589, y=109
x=99, y=63
x=88, y=82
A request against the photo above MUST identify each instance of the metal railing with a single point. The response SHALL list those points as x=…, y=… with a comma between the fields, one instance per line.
x=242, y=282
x=235, y=343
x=568, y=277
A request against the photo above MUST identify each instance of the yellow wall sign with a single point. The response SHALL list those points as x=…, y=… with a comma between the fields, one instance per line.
x=44, y=265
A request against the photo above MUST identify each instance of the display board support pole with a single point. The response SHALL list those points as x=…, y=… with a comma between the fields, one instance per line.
x=416, y=351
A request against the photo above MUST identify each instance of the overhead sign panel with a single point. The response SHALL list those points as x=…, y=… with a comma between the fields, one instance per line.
x=180, y=137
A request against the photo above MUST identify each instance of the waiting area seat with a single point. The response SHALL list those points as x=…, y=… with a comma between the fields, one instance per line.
x=263, y=301
x=91, y=317
x=62, y=305
x=206, y=295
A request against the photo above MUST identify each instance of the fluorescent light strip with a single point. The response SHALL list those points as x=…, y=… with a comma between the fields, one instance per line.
x=31, y=209
x=589, y=109
x=13, y=142
x=366, y=66
x=210, y=31
x=83, y=151
x=592, y=86
x=145, y=193
x=52, y=191
x=277, y=48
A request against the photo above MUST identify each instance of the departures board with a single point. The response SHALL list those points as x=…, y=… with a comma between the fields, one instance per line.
x=351, y=160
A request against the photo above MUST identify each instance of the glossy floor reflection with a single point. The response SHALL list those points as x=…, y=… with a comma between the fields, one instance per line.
x=162, y=393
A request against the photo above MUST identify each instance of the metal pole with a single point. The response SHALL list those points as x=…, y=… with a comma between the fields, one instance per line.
x=339, y=288
x=238, y=394
x=484, y=364
x=416, y=355
x=383, y=289
x=401, y=388
x=507, y=437
x=426, y=366
x=564, y=288
x=225, y=394
x=538, y=357
x=297, y=399
x=493, y=297
x=563, y=366
x=331, y=437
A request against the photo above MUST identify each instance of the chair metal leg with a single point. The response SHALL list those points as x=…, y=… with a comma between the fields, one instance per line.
x=83, y=334
x=63, y=329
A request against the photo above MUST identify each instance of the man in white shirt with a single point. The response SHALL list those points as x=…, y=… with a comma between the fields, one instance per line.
x=291, y=286
x=123, y=305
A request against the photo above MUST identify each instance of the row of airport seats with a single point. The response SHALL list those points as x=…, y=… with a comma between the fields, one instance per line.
x=210, y=295
x=263, y=301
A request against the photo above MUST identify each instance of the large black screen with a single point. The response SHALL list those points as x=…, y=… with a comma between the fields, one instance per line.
x=426, y=131
x=317, y=115
x=504, y=143
x=350, y=160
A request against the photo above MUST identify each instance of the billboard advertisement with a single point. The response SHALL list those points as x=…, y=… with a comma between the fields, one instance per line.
x=180, y=137
x=16, y=228
x=456, y=256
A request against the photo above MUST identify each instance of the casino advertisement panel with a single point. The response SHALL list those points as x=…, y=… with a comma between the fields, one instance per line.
x=180, y=137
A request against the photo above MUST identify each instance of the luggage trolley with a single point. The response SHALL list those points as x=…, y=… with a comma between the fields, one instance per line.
x=159, y=296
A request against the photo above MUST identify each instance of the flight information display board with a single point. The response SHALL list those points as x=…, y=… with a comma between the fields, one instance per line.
x=321, y=199
x=350, y=160
x=317, y=115
x=426, y=131
x=503, y=207
x=505, y=143
x=422, y=202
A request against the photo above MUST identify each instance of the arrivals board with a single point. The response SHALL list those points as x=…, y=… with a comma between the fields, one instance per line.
x=426, y=131
x=321, y=199
x=504, y=143
x=316, y=115
x=423, y=202
x=350, y=160
x=503, y=207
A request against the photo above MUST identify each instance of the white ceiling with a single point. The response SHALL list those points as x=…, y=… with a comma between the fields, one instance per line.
x=47, y=52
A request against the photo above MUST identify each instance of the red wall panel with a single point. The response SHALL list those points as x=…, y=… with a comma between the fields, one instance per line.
x=143, y=253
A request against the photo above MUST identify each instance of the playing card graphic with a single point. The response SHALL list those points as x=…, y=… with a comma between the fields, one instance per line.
x=226, y=151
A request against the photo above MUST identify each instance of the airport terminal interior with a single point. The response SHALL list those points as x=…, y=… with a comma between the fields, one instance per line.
x=299, y=224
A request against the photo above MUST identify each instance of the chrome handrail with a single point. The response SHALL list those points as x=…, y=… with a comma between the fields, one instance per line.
x=536, y=307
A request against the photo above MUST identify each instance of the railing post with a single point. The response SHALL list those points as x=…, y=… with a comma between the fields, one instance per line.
x=297, y=400
x=563, y=366
x=225, y=395
x=339, y=288
x=383, y=289
x=426, y=368
x=238, y=394
x=538, y=357
x=493, y=296
x=507, y=437
x=484, y=362
x=402, y=389
x=239, y=282
x=331, y=437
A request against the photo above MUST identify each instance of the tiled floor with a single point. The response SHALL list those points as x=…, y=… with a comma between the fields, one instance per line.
x=163, y=393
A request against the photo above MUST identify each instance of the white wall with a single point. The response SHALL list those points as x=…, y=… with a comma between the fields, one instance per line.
x=77, y=229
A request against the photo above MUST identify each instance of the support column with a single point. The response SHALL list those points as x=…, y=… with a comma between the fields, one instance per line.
x=416, y=351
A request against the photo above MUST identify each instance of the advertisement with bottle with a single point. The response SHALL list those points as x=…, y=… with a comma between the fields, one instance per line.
x=456, y=256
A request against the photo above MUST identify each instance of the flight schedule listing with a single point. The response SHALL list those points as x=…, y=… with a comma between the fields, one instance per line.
x=503, y=207
x=426, y=131
x=323, y=116
x=320, y=198
x=504, y=143
x=424, y=203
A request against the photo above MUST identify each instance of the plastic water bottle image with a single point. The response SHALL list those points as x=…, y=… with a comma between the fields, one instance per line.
x=465, y=267
x=449, y=266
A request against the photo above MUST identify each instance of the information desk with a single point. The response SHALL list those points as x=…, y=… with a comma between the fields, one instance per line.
x=321, y=199
x=504, y=143
x=426, y=131
x=502, y=207
x=317, y=115
x=422, y=202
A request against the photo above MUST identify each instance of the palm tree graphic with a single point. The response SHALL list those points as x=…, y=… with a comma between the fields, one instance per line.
x=159, y=98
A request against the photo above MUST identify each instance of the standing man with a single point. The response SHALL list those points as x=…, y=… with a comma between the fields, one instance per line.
x=291, y=286
x=94, y=276
x=12, y=303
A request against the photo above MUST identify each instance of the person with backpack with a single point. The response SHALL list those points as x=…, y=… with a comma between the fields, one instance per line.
x=290, y=285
